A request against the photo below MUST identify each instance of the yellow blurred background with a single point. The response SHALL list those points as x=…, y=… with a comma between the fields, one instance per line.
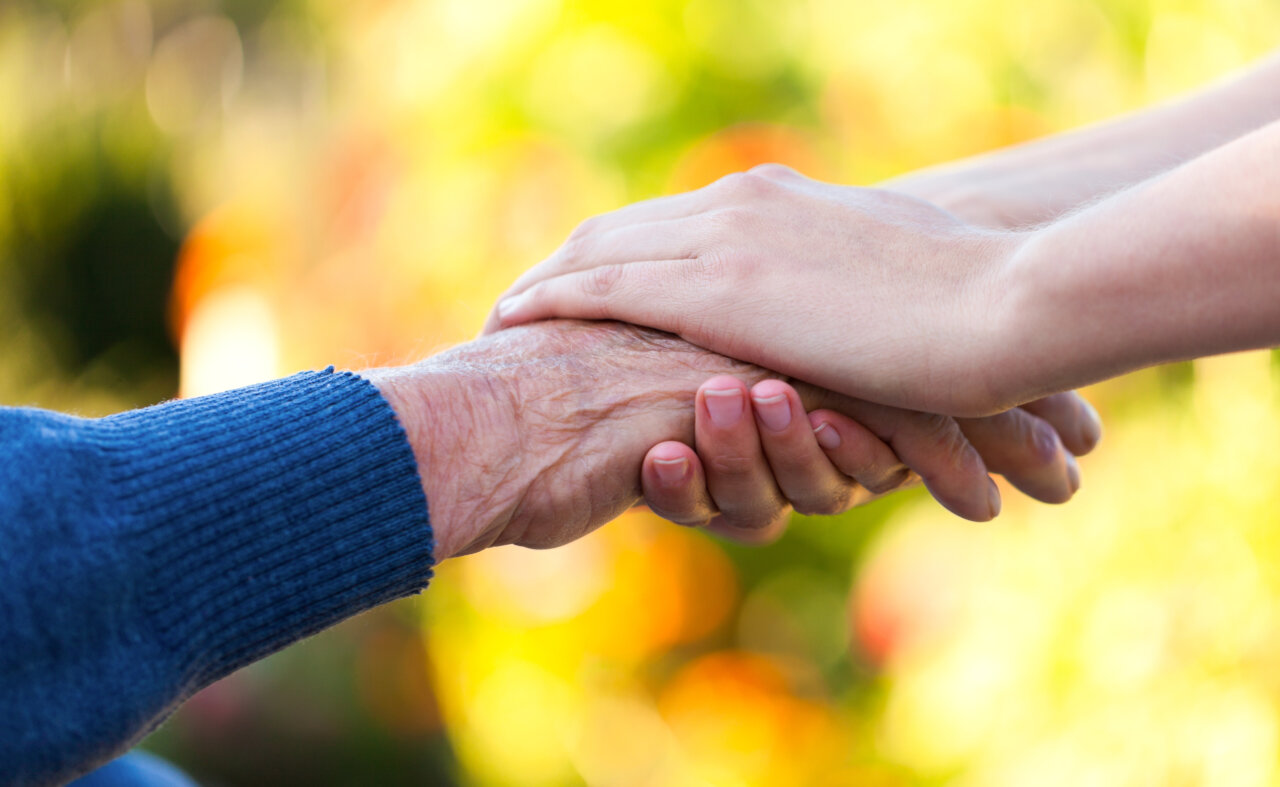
x=196, y=195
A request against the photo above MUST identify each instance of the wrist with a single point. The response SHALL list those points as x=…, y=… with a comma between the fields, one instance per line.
x=967, y=196
x=463, y=440
x=977, y=350
x=1050, y=316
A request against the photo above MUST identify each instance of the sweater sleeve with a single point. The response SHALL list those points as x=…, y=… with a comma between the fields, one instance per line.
x=147, y=554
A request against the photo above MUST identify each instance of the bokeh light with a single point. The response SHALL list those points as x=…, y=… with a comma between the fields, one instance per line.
x=197, y=195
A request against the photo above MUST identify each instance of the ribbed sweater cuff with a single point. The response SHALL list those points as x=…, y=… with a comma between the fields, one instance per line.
x=266, y=514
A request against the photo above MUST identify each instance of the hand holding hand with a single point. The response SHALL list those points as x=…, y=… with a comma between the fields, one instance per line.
x=537, y=435
x=872, y=293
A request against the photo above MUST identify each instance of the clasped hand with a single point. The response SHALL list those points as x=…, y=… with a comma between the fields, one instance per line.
x=875, y=294
x=539, y=434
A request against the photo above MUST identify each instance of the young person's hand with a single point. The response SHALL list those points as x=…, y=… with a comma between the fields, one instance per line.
x=872, y=293
x=758, y=454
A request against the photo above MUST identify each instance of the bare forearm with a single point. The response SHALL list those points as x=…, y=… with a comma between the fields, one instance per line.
x=1035, y=182
x=1185, y=265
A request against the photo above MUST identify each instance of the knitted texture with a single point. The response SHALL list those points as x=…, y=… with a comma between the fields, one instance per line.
x=147, y=554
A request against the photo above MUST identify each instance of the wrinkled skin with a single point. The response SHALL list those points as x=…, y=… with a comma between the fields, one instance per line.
x=536, y=435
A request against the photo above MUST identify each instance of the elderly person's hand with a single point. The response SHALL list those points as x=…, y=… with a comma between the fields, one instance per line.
x=537, y=435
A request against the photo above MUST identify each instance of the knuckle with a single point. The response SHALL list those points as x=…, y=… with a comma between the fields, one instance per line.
x=944, y=438
x=731, y=183
x=825, y=503
x=601, y=282
x=731, y=222
x=585, y=228
x=857, y=464
x=1041, y=442
x=791, y=453
x=746, y=184
x=708, y=268
x=937, y=430
x=731, y=466
x=536, y=291
x=773, y=170
x=571, y=250
x=689, y=516
x=758, y=517
x=887, y=482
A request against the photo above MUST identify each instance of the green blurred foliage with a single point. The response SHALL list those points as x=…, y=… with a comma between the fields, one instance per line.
x=197, y=194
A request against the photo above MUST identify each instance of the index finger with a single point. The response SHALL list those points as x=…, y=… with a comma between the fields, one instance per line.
x=651, y=211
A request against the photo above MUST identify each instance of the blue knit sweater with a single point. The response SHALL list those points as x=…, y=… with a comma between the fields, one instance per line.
x=147, y=554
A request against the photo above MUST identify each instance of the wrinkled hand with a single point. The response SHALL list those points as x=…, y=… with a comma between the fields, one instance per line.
x=537, y=435
x=868, y=292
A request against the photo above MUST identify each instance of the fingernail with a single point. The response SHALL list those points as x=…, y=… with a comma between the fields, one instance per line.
x=671, y=471
x=724, y=405
x=993, y=498
x=827, y=436
x=774, y=411
x=1073, y=473
x=1093, y=424
x=509, y=306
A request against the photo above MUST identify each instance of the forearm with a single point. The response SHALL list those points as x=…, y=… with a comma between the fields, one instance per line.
x=1182, y=266
x=148, y=554
x=1037, y=181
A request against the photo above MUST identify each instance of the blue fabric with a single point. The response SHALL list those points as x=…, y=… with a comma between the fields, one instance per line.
x=147, y=554
x=138, y=769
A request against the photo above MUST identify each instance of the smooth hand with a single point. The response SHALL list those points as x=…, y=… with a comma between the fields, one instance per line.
x=872, y=293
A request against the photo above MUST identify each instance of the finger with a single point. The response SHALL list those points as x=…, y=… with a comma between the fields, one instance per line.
x=805, y=475
x=930, y=445
x=674, y=485
x=738, y=477
x=951, y=468
x=1027, y=451
x=657, y=294
x=1075, y=420
x=859, y=454
x=626, y=238
x=664, y=208
x=673, y=239
x=689, y=203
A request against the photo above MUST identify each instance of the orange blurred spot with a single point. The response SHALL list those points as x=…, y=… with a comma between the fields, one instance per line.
x=357, y=185
x=736, y=712
x=674, y=587
x=236, y=244
x=731, y=677
x=743, y=147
